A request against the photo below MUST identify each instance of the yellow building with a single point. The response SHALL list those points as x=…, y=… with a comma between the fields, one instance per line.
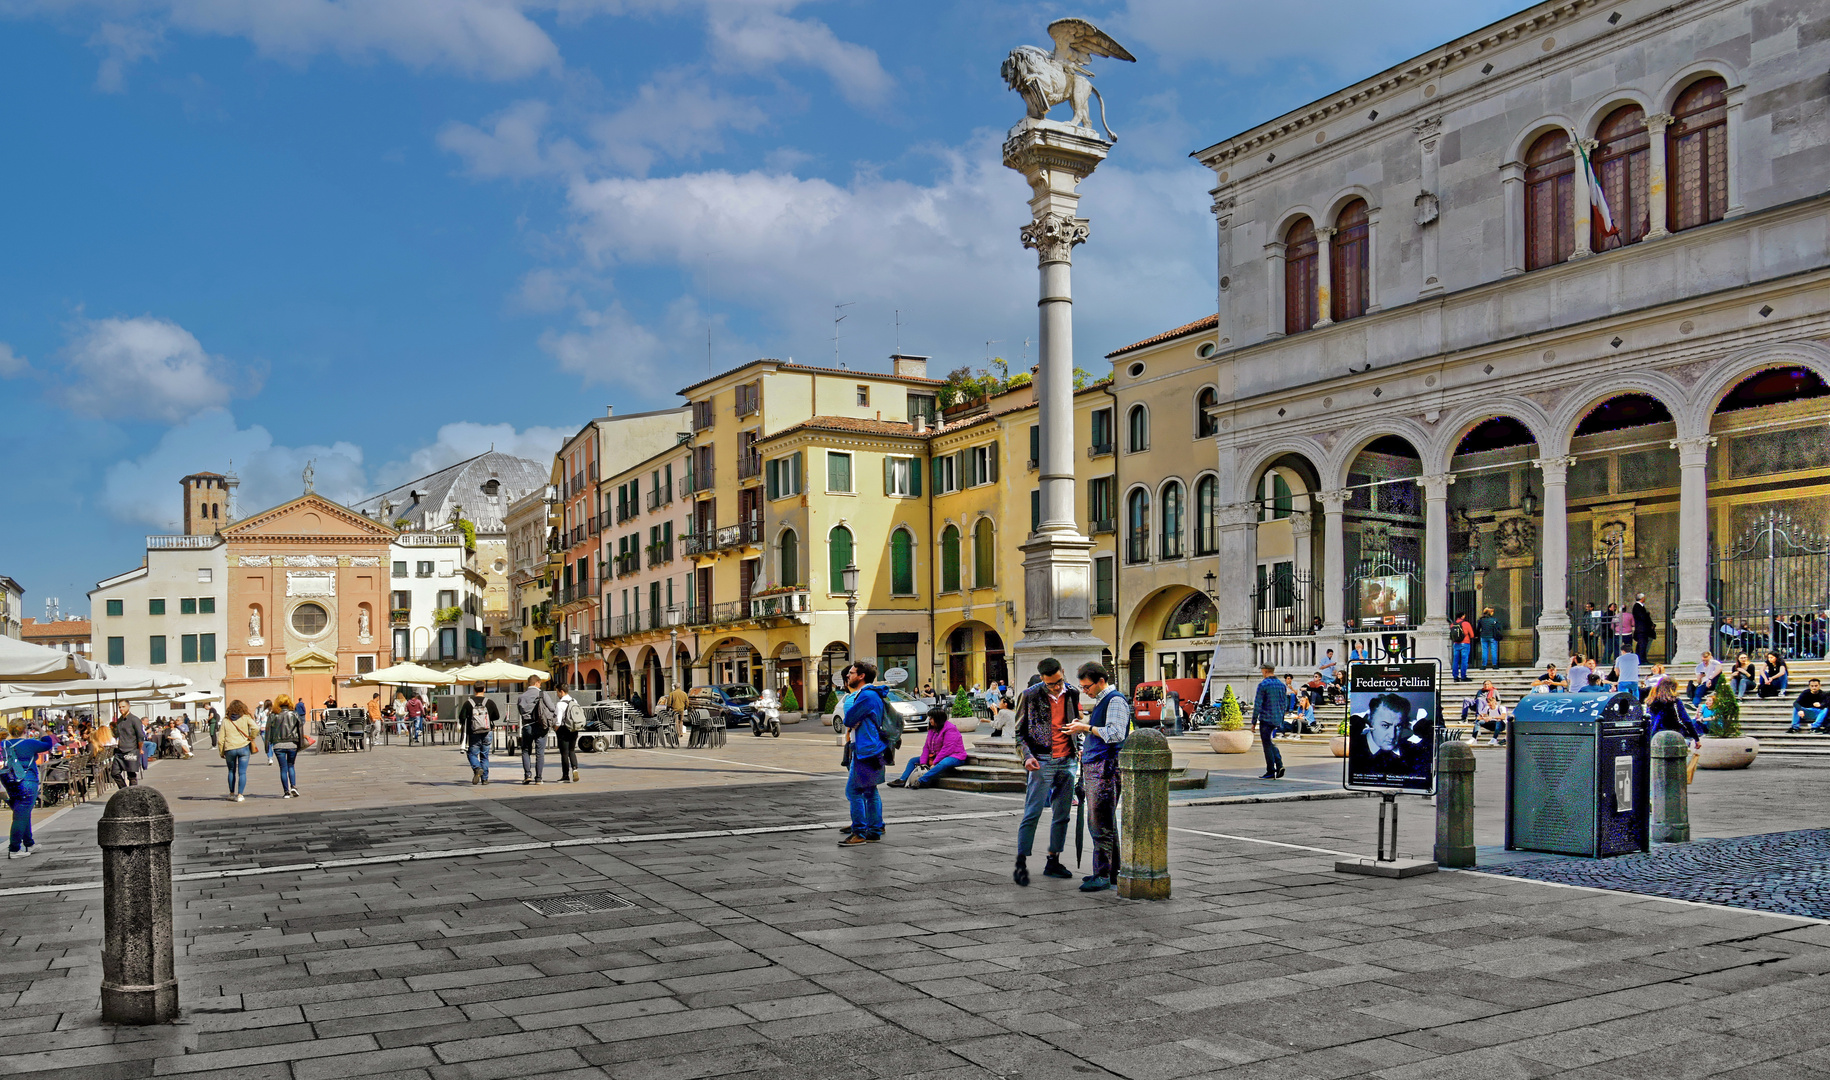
x=646, y=574
x=529, y=526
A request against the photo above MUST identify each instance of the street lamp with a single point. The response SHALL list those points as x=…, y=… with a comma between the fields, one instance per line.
x=1210, y=581
x=674, y=617
x=849, y=580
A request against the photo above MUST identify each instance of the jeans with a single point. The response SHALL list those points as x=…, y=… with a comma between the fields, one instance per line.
x=419, y=728
x=866, y=802
x=533, y=755
x=1773, y=688
x=478, y=752
x=1742, y=684
x=940, y=766
x=1052, y=785
x=1490, y=652
x=1627, y=687
x=1100, y=778
x=237, y=762
x=288, y=757
x=1801, y=716
x=568, y=754
x=1458, y=661
x=22, y=819
x=1273, y=758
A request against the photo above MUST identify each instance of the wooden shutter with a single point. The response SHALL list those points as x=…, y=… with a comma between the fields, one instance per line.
x=889, y=472
x=915, y=476
x=991, y=463
x=1035, y=443
x=797, y=473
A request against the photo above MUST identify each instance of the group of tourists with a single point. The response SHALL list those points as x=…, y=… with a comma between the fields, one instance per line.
x=1063, y=751
x=537, y=715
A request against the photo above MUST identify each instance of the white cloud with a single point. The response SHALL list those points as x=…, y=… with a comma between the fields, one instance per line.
x=141, y=489
x=11, y=363
x=749, y=37
x=121, y=45
x=466, y=439
x=607, y=347
x=510, y=146
x=144, y=367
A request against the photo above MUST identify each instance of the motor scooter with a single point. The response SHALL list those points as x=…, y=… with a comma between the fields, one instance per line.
x=766, y=715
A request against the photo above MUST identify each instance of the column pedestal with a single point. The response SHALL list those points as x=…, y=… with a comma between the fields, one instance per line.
x=1693, y=624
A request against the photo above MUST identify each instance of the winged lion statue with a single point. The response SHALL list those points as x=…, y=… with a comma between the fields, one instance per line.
x=1046, y=79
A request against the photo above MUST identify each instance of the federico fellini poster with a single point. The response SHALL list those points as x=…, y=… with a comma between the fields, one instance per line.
x=1392, y=714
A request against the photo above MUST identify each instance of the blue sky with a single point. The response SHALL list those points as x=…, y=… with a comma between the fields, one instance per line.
x=386, y=234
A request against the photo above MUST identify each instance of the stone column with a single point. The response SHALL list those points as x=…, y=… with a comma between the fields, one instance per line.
x=1238, y=575
x=1324, y=277
x=139, y=984
x=1274, y=289
x=1428, y=205
x=1553, y=546
x=1583, y=212
x=1512, y=179
x=1223, y=260
x=1657, y=176
x=1433, y=628
x=1334, y=572
x=1692, y=622
x=1143, y=831
x=1057, y=566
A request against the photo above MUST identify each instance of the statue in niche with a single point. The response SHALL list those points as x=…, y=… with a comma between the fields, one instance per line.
x=362, y=625
x=254, y=628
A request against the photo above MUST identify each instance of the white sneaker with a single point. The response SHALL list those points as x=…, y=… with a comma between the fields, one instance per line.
x=18, y=854
x=241, y=798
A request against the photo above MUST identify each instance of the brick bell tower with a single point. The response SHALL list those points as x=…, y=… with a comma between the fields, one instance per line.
x=207, y=497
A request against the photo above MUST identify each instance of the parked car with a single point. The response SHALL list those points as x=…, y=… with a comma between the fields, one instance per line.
x=1147, y=702
x=736, y=702
x=912, y=710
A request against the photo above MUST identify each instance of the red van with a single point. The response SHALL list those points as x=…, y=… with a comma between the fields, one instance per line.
x=1147, y=704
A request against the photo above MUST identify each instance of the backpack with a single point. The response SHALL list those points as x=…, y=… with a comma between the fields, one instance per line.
x=478, y=723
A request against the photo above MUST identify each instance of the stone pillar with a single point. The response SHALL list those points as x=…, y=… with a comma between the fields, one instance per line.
x=1324, y=277
x=1657, y=174
x=1553, y=546
x=1334, y=574
x=1428, y=204
x=1670, y=791
x=1057, y=565
x=1584, y=212
x=1223, y=260
x=1238, y=575
x=1274, y=289
x=1512, y=180
x=1455, y=805
x=139, y=985
x=1692, y=622
x=1433, y=627
x=1143, y=834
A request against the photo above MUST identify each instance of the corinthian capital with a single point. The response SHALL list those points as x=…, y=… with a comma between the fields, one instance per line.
x=1694, y=452
x=1054, y=236
x=1333, y=502
x=1237, y=515
x=1436, y=486
x=1556, y=469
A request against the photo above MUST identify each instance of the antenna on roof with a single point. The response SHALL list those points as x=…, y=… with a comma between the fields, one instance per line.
x=988, y=345
x=898, y=331
x=838, y=317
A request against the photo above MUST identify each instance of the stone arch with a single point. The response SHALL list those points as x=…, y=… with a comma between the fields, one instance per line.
x=1267, y=455
x=1147, y=615
x=1350, y=447
x=1530, y=133
x=1467, y=417
x=1655, y=384
x=1346, y=195
x=1736, y=367
x=1288, y=218
x=1608, y=102
x=1691, y=72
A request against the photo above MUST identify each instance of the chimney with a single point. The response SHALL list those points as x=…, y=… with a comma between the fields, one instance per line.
x=908, y=367
x=921, y=423
x=609, y=410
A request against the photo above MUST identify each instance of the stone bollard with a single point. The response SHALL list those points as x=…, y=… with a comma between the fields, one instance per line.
x=139, y=985
x=1670, y=794
x=1143, y=833
x=1455, y=805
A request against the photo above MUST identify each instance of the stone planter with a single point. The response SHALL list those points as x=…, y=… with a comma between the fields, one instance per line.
x=791, y=718
x=1230, y=742
x=1338, y=746
x=1728, y=753
x=966, y=724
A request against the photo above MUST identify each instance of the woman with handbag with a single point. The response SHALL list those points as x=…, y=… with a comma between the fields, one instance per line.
x=285, y=735
x=240, y=738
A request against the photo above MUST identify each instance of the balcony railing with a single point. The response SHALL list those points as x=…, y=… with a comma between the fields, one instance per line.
x=1103, y=605
x=399, y=617
x=625, y=511
x=731, y=611
x=1104, y=525
x=1099, y=449
x=776, y=605
x=731, y=536
x=701, y=478
x=182, y=543
x=749, y=465
x=630, y=563
x=1137, y=548
x=662, y=552
x=430, y=539
x=685, y=484
x=603, y=519
x=562, y=647
x=660, y=495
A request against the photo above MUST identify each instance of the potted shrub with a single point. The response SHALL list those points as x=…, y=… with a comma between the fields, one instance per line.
x=962, y=704
x=790, y=706
x=1724, y=747
x=1230, y=735
x=1338, y=745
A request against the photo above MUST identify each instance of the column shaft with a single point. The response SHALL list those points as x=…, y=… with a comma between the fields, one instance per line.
x=1433, y=626
x=1656, y=175
x=1692, y=622
x=1055, y=394
x=1553, y=612
x=1583, y=212
x=1324, y=277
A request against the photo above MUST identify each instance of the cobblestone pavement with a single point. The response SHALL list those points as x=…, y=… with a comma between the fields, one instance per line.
x=780, y=955
x=1787, y=872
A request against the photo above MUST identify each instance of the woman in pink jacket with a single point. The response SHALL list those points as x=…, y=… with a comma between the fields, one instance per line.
x=944, y=749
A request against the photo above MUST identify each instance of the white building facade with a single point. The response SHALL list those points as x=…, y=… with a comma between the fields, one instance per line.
x=1447, y=383
x=170, y=613
x=435, y=600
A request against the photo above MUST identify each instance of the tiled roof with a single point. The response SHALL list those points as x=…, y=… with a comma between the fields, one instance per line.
x=32, y=630
x=784, y=365
x=1211, y=322
x=850, y=425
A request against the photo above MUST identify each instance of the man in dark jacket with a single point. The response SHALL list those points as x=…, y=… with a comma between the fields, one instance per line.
x=129, y=744
x=1044, y=711
x=1487, y=628
x=1269, y=704
x=478, y=716
x=1643, y=631
x=536, y=720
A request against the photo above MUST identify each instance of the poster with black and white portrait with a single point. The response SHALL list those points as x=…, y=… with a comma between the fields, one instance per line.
x=1392, y=717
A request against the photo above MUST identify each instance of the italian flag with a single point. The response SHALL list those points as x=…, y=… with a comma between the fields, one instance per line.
x=1598, y=200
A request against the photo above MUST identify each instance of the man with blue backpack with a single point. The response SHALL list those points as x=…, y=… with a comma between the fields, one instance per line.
x=870, y=744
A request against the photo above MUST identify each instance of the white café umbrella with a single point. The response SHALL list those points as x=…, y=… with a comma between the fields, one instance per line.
x=23, y=662
x=404, y=674
x=496, y=671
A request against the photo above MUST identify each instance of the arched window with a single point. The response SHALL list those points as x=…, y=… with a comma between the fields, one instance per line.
x=1207, y=424
x=1300, y=277
x=1172, y=520
x=1137, y=526
x=1207, y=515
x=1697, y=154
x=902, y=563
x=949, y=559
x=984, y=555
x=1276, y=499
x=1138, y=423
x=1623, y=160
x=791, y=558
x=1550, y=197
x=838, y=557
x=1350, y=263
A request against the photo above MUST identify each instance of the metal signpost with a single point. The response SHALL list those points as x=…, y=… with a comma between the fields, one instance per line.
x=1393, y=725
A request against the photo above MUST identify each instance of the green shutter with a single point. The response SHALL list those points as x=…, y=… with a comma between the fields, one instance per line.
x=933, y=464
x=187, y=649
x=206, y=605
x=949, y=559
x=915, y=476
x=769, y=484
x=991, y=463
x=1035, y=509
x=187, y=605
x=796, y=488
x=116, y=607
x=1035, y=443
x=902, y=563
x=206, y=652
x=117, y=649
x=156, y=649
x=889, y=486
x=838, y=547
